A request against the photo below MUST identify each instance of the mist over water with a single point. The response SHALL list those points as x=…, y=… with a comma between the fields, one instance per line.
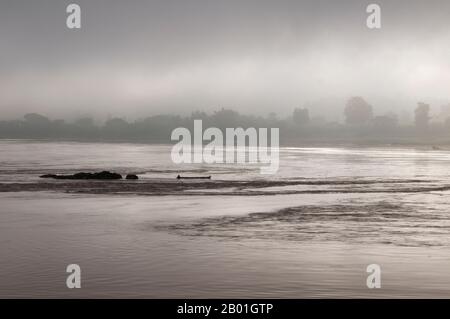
x=140, y=58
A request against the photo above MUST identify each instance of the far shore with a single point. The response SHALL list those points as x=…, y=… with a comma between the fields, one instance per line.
x=338, y=143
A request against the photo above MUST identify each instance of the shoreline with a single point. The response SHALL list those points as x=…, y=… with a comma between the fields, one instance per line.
x=423, y=145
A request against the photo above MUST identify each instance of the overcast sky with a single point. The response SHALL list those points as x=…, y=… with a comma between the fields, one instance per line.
x=138, y=58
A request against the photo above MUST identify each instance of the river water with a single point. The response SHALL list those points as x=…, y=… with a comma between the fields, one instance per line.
x=308, y=231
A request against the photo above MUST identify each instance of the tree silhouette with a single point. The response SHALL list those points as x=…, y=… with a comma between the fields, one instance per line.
x=300, y=116
x=422, y=117
x=358, y=111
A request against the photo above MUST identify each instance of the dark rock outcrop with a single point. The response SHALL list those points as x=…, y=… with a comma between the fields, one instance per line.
x=132, y=177
x=49, y=176
x=105, y=175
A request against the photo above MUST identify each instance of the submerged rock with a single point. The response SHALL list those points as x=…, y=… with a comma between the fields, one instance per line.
x=105, y=175
x=132, y=177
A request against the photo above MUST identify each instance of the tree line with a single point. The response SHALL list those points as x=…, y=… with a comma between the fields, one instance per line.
x=360, y=125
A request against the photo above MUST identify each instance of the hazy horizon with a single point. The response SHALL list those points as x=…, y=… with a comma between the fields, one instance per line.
x=140, y=58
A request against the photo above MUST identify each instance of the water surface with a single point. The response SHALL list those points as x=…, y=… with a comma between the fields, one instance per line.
x=308, y=231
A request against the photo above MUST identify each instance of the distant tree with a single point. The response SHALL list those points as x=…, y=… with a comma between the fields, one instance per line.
x=159, y=127
x=300, y=116
x=85, y=127
x=357, y=111
x=37, y=125
x=385, y=122
x=421, y=115
x=272, y=117
x=199, y=115
x=225, y=118
x=36, y=119
x=116, y=123
x=117, y=128
x=85, y=123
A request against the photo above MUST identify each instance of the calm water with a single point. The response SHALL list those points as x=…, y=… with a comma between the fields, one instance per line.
x=309, y=231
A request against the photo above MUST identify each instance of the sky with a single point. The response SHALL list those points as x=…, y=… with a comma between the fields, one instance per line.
x=133, y=59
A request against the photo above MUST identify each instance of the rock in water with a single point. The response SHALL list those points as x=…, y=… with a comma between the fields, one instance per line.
x=48, y=176
x=105, y=175
x=132, y=177
x=80, y=176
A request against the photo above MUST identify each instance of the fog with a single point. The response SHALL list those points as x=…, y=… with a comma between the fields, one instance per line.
x=134, y=59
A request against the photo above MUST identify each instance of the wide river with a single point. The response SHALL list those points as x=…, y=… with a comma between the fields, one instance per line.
x=308, y=231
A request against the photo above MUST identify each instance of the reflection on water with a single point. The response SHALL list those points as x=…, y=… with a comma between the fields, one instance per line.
x=330, y=213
